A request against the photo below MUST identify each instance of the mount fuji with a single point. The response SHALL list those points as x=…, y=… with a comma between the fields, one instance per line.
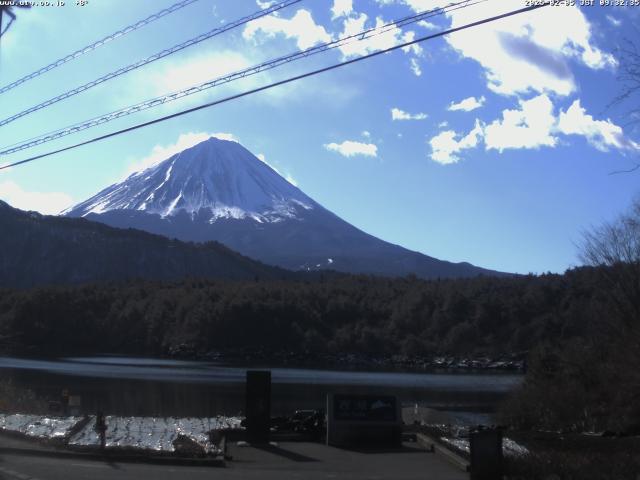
x=218, y=190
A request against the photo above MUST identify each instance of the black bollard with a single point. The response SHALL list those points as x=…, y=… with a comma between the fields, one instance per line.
x=486, y=453
x=258, y=402
x=101, y=429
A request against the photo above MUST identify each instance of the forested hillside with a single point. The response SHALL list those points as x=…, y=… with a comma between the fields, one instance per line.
x=348, y=314
x=45, y=250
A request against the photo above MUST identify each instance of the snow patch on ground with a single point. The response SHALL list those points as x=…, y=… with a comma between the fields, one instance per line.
x=138, y=433
x=154, y=433
x=172, y=206
x=458, y=443
x=513, y=448
x=37, y=426
x=510, y=448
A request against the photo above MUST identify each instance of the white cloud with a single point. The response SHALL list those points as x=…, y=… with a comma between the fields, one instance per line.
x=366, y=134
x=532, y=126
x=415, y=67
x=416, y=5
x=307, y=33
x=301, y=27
x=181, y=73
x=524, y=53
x=602, y=134
x=410, y=36
x=529, y=127
x=48, y=203
x=467, y=105
x=184, y=72
x=198, y=69
x=392, y=36
x=350, y=148
x=397, y=114
x=265, y=5
x=341, y=8
x=614, y=21
x=423, y=5
x=444, y=124
x=160, y=153
x=527, y=52
x=446, y=146
x=536, y=125
x=428, y=25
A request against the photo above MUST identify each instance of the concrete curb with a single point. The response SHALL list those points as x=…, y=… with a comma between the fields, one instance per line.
x=453, y=458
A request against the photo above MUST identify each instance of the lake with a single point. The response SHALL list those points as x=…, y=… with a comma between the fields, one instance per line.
x=158, y=387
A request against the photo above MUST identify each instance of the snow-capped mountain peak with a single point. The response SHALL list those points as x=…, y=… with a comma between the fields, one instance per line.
x=217, y=178
x=218, y=191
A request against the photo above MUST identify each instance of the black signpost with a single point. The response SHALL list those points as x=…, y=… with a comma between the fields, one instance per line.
x=364, y=408
x=258, y=402
x=363, y=420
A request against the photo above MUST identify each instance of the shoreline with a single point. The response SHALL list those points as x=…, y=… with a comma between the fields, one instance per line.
x=512, y=363
x=348, y=362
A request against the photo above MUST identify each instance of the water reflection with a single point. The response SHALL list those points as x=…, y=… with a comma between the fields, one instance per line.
x=155, y=387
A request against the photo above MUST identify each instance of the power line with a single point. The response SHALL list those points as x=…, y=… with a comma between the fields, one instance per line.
x=277, y=84
x=268, y=65
x=152, y=58
x=97, y=44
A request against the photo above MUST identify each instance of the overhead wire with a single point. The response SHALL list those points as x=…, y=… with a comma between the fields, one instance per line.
x=268, y=65
x=157, y=56
x=278, y=83
x=97, y=44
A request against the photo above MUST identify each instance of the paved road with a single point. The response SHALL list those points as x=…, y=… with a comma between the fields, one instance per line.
x=306, y=461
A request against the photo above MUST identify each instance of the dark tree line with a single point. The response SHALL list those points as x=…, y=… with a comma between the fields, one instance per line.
x=359, y=314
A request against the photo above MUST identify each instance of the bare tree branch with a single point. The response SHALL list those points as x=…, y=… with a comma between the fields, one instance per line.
x=629, y=75
x=631, y=170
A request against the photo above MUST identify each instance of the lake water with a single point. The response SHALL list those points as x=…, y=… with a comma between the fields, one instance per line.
x=143, y=386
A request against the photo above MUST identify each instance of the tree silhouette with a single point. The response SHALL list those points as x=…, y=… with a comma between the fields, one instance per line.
x=617, y=245
x=8, y=11
x=629, y=76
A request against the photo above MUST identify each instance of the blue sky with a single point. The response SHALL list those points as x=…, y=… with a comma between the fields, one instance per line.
x=493, y=146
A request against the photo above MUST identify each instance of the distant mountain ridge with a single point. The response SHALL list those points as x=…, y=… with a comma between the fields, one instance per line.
x=218, y=190
x=44, y=250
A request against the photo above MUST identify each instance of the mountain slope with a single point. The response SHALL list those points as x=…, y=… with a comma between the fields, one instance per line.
x=218, y=190
x=41, y=250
